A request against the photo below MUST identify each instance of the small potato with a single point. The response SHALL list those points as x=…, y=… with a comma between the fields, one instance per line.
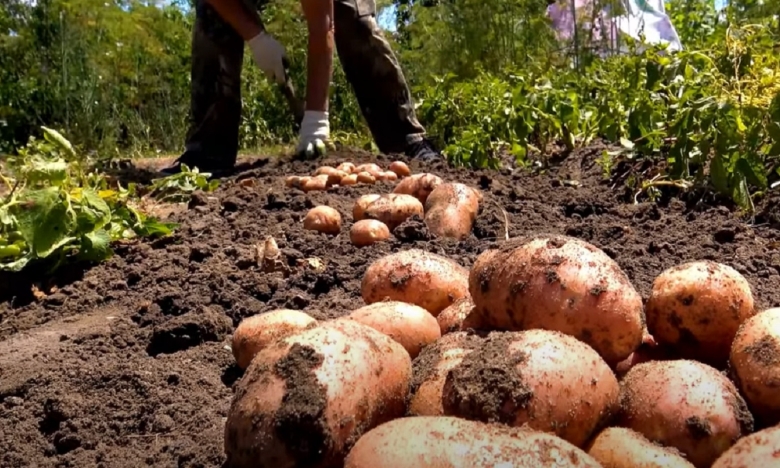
x=306, y=399
x=255, y=333
x=755, y=363
x=430, y=368
x=347, y=167
x=334, y=175
x=371, y=168
x=757, y=450
x=387, y=176
x=451, y=209
x=393, y=209
x=367, y=232
x=697, y=308
x=418, y=186
x=400, y=169
x=323, y=219
x=415, y=276
x=359, y=210
x=316, y=183
x=686, y=405
x=618, y=447
x=411, y=326
x=459, y=316
x=366, y=178
x=349, y=180
x=548, y=380
x=292, y=181
x=445, y=442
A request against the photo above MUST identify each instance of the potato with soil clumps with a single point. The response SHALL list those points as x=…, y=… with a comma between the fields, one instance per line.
x=755, y=364
x=451, y=209
x=546, y=379
x=686, y=405
x=618, y=447
x=417, y=277
x=393, y=209
x=418, y=186
x=430, y=368
x=758, y=450
x=411, y=326
x=323, y=219
x=359, y=209
x=559, y=283
x=697, y=307
x=445, y=442
x=368, y=232
x=306, y=399
x=255, y=333
x=458, y=317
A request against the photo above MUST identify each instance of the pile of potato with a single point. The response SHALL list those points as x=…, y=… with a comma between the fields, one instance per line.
x=348, y=173
x=541, y=354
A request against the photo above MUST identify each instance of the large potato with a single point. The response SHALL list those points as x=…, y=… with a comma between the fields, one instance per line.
x=430, y=368
x=686, y=405
x=697, y=308
x=458, y=317
x=417, y=277
x=451, y=209
x=410, y=325
x=546, y=379
x=306, y=399
x=418, y=186
x=755, y=364
x=757, y=450
x=258, y=331
x=618, y=447
x=393, y=209
x=359, y=209
x=445, y=442
x=559, y=283
x=323, y=219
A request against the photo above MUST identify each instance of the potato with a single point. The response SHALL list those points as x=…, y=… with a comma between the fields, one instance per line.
x=559, y=283
x=451, y=209
x=418, y=186
x=292, y=181
x=365, y=178
x=417, y=277
x=618, y=447
x=458, y=317
x=697, y=307
x=319, y=182
x=410, y=325
x=757, y=450
x=347, y=167
x=349, y=180
x=430, y=368
x=367, y=232
x=686, y=405
x=645, y=352
x=306, y=399
x=755, y=364
x=323, y=219
x=388, y=176
x=255, y=333
x=445, y=442
x=548, y=380
x=334, y=175
x=393, y=209
x=371, y=168
x=400, y=169
x=359, y=210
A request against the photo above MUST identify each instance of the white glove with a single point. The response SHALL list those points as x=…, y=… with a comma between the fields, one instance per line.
x=314, y=134
x=269, y=55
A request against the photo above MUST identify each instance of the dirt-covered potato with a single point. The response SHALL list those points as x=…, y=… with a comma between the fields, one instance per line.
x=430, y=368
x=366, y=178
x=417, y=277
x=546, y=379
x=686, y=405
x=458, y=317
x=755, y=365
x=317, y=183
x=618, y=447
x=368, y=232
x=347, y=167
x=446, y=442
x=418, y=186
x=559, y=283
x=451, y=209
x=758, y=450
x=393, y=209
x=350, y=179
x=388, y=176
x=359, y=210
x=334, y=175
x=697, y=308
x=410, y=325
x=371, y=168
x=323, y=219
x=292, y=181
x=258, y=331
x=400, y=168
x=306, y=399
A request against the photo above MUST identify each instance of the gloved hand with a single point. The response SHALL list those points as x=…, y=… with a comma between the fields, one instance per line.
x=314, y=136
x=269, y=56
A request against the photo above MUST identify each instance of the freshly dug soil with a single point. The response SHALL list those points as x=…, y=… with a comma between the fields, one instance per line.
x=128, y=363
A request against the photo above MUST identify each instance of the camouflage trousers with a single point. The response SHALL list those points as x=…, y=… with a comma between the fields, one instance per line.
x=369, y=64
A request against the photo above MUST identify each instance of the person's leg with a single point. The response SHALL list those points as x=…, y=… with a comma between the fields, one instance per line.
x=377, y=80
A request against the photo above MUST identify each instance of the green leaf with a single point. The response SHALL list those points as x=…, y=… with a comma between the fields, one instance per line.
x=95, y=246
x=719, y=175
x=626, y=143
x=740, y=194
x=44, y=220
x=53, y=136
x=54, y=172
x=754, y=173
x=93, y=212
x=16, y=265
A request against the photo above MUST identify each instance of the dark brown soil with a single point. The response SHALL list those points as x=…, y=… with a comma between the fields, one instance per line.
x=126, y=364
